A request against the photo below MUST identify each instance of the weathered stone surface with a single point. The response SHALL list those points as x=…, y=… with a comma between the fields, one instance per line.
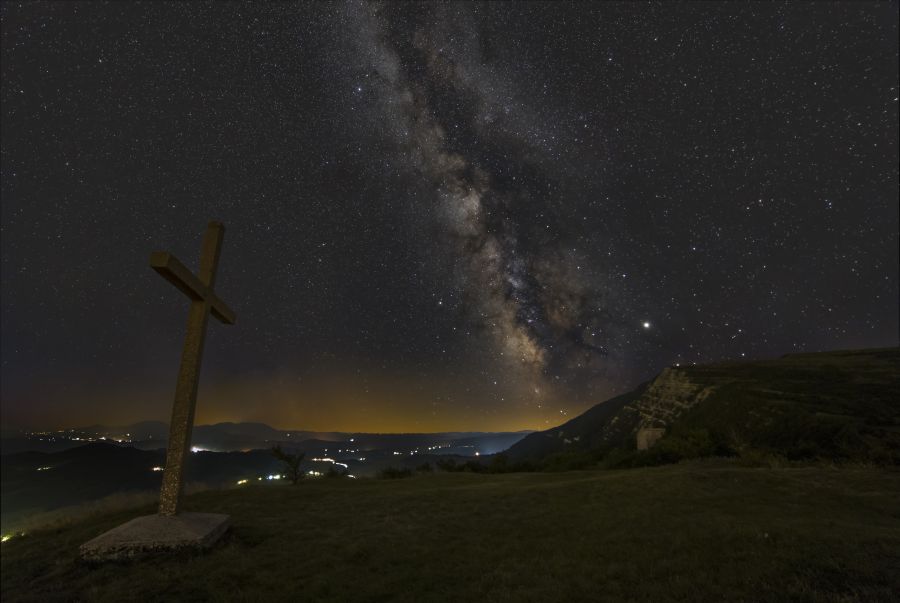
x=669, y=396
x=664, y=400
x=157, y=533
x=648, y=436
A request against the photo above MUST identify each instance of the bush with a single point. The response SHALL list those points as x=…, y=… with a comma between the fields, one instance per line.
x=335, y=472
x=523, y=467
x=446, y=464
x=675, y=447
x=500, y=464
x=452, y=465
x=394, y=473
x=753, y=457
x=570, y=461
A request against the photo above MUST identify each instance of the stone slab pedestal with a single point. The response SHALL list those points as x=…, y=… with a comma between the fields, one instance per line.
x=157, y=533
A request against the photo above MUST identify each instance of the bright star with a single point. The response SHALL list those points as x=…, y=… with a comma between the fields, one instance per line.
x=646, y=324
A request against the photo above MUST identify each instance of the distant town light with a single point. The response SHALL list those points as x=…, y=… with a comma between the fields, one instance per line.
x=6, y=537
x=241, y=481
x=157, y=468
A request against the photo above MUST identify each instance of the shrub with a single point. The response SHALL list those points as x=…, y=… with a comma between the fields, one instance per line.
x=618, y=458
x=569, y=461
x=452, y=465
x=500, y=464
x=446, y=464
x=754, y=457
x=335, y=472
x=523, y=466
x=395, y=473
x=674, y=447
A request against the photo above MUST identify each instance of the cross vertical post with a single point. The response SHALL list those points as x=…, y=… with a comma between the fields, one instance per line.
x=203, y=302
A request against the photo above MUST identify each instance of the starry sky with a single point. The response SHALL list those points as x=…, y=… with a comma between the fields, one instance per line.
x=438, y=216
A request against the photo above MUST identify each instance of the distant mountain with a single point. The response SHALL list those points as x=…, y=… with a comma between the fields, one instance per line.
x=839, y=405
x=224, y=437
x=461, y=443
x=143, y=430
x=148, y=434
x=147, y=430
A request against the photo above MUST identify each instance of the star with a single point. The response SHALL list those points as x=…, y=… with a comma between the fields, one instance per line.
x=547, y=190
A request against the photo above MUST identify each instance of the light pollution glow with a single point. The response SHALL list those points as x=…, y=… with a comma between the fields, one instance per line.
x=350, y=403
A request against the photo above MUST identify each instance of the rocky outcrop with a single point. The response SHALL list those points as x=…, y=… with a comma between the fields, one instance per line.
x=663, y=401
x=671, y=394
x=843, y=404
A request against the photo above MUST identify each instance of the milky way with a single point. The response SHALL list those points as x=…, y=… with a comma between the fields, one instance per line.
x=438, y=215
x=522, y=283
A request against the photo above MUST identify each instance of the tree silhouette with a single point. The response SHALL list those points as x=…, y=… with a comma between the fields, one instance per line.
x=291, y=462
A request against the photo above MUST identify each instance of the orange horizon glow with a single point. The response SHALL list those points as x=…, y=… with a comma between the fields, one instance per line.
x=348, y=404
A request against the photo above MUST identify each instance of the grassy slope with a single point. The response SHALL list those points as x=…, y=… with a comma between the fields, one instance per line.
x=833, y=405
x=690, y=532
x=840, y=405
x=584, y=432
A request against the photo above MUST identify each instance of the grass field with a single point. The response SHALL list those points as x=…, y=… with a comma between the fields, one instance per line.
x=704, y=531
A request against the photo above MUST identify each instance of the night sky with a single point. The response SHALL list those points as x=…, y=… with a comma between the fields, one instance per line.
x=438, y=216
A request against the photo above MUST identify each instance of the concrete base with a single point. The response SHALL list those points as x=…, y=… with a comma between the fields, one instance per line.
x=157, y=533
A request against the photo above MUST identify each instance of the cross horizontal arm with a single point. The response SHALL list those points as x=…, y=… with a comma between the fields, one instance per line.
x=168, y=266
x=220, y=310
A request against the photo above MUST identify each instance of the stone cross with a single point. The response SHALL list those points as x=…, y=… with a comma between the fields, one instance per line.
x=203, y=302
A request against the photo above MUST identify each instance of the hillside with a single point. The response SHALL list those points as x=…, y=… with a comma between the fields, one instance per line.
x=834, y=405
x=36, y=482
x=702, y=531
